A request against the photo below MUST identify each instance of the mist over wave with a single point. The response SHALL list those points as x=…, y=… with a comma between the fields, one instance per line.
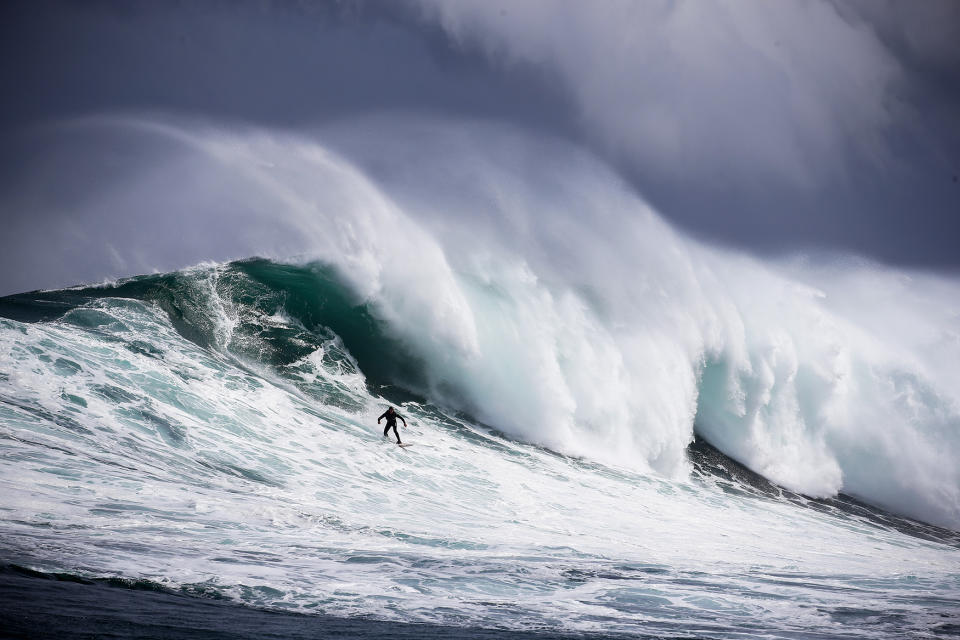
x=542, y=295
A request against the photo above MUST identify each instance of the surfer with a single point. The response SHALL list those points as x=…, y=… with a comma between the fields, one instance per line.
x=391, y=415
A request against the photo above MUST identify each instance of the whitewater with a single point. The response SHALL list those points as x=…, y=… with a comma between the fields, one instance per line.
x=616, y=428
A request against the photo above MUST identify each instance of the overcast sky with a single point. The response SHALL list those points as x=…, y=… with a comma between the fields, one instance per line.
x=770, y=126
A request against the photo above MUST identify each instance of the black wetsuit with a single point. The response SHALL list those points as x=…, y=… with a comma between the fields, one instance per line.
x=391, y=417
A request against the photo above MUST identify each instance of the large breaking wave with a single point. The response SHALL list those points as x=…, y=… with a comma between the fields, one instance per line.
x=522, y=282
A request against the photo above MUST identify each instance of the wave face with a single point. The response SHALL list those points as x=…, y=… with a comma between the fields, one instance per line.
x=213, y=431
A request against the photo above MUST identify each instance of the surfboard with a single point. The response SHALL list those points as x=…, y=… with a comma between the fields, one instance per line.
x=405, y=445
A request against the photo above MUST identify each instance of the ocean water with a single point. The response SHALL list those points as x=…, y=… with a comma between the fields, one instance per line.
x=212, y=433
x=615, y=428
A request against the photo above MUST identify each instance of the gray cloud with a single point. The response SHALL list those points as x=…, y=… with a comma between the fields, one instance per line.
x=773, y=89
x=267, y=62
x=785, y=125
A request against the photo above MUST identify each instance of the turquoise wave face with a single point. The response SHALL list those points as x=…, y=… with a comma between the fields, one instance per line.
x=214, y=431
x=260, y=311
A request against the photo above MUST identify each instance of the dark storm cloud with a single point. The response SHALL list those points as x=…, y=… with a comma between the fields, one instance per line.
x=771, y=126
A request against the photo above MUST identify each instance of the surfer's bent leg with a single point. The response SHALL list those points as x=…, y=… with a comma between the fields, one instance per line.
x=386, y=429
x=396, y=433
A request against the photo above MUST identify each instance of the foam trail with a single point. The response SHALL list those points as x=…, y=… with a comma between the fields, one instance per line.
x=546, y=297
